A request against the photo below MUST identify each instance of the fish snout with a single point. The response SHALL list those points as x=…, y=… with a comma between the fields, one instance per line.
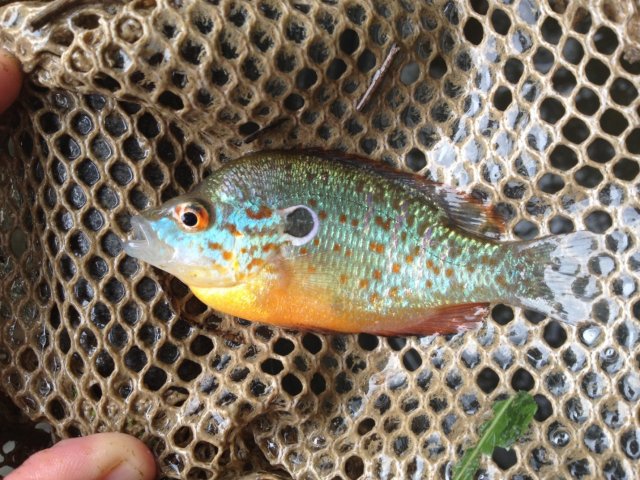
x=141, y=239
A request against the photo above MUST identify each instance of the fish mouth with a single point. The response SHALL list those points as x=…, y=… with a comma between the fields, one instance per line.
x=143, y=243
x=140, y=236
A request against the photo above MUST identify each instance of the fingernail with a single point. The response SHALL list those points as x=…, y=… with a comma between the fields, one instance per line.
x=125, y=471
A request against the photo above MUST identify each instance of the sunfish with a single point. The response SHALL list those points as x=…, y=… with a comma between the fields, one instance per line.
x=331, y=242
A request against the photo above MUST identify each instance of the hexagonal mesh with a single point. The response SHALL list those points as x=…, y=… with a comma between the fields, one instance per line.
x=533, y=104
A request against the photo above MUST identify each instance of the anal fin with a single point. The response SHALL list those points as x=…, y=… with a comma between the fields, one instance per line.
x=440, y=320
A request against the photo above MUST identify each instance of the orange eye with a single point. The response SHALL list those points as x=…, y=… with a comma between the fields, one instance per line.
x=192, y=217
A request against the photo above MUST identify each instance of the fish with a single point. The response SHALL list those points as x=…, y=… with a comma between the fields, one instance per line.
x=332, y=242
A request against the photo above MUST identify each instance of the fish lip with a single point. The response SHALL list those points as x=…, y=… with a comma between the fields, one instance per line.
x=141, y=237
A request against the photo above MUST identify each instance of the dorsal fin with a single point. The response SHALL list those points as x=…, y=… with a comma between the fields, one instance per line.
x=466, y=212
x=469, y=213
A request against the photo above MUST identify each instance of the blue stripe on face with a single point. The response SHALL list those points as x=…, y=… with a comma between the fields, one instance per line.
x=227, y=251
x=194, y=248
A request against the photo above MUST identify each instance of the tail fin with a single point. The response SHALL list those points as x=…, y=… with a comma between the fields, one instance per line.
x=560, y=285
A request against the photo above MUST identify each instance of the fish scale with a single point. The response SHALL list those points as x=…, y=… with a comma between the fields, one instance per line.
x=413, y=277
x=381, y=251
x=362, y=289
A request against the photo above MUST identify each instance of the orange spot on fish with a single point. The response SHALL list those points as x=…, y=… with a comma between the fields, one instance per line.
x=436, y=270
x=256, y=262
x=471, y=268
x=354, y=223
x=312, y=269
x=268, y=247
x=377, y=274
x=484, y=260
x=215, y=246
x=429, y=283
x=262, y=213
x=343, y=218
x=343, y=279
x=336, y=247
x=395, y=268
x=322, y=215
x=304, y=251
x=403, y=236
x=376, y=247
x=393, y=292
x=448, y=272
x=227, y=255
x=409, y=258
x=430, y=264
x=234, y=231
x=382, y=224
x=316, y=242
x=348, y=253
x=374, y=297
x=364, y=283
x=313, y=203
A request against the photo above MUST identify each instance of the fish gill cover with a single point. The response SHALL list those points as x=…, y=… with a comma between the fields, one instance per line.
x=531, y=105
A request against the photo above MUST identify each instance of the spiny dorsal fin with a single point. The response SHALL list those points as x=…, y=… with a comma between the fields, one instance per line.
x=465, y=211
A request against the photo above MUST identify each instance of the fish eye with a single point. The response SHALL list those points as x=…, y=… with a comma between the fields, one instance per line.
x=189, y=219
x=192, y=217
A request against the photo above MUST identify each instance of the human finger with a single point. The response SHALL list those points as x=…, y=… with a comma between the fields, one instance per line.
x=10, y=79
x=103, y=456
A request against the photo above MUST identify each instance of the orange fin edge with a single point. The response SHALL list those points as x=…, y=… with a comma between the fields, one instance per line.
x=441, y=320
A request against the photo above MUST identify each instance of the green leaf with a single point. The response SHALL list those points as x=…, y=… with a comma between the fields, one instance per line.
x=511, y=419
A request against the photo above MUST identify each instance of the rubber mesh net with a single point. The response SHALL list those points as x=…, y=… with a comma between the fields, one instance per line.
x=531, y=104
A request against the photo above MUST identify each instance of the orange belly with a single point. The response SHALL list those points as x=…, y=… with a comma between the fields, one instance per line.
x=278, y=303
x=289, y=301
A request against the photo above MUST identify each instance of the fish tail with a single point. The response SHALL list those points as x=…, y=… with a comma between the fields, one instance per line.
x=557, y=281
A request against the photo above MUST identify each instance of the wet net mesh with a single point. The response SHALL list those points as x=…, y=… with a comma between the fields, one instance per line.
x=531, y=104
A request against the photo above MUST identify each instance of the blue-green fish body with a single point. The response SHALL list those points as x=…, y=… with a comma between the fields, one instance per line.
x=329, y=242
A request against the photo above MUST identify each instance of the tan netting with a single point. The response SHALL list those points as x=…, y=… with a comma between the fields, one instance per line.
x=533, y=104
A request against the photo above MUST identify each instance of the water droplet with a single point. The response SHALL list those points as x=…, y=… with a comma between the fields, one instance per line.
x=610, y=360
x=590, y=335
x=558, y=435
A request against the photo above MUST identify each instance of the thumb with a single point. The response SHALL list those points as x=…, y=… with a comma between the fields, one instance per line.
x=10, y=79
x=104, y=456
